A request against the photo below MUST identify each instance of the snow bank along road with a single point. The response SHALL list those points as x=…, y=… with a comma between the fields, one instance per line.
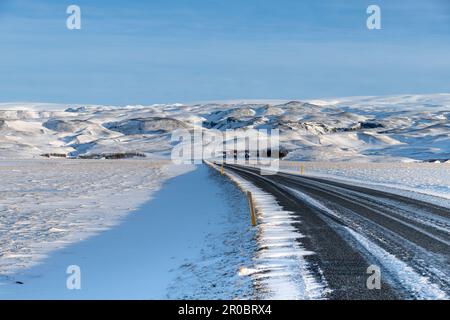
x=350, y=228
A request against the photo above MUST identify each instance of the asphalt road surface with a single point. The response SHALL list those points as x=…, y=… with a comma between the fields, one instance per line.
x=409, y=240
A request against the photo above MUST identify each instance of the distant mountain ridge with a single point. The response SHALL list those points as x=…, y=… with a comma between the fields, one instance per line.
x=395, y=128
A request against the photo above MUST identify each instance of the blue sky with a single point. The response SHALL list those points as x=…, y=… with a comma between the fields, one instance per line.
x=141, y=52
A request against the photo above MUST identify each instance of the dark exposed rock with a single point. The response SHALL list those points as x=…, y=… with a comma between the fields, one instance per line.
x=151, y=125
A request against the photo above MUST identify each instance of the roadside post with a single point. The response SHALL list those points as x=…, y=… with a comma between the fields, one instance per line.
x=252, y=208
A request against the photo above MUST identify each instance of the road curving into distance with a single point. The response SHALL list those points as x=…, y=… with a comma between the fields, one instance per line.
x=351, y=228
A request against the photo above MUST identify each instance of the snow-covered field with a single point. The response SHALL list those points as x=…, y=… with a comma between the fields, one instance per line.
x=48, y=204
x=186, y=242
x=425, y=181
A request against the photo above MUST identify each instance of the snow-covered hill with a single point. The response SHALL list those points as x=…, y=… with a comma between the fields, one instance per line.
x=394, y=128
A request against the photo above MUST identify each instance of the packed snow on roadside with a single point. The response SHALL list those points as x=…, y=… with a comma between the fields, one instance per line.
x=279, y=269
x=49, y=204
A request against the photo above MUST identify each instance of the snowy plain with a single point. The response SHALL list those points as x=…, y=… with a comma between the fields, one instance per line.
x=424, y=181
x=188, y=248
x=47, y=204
